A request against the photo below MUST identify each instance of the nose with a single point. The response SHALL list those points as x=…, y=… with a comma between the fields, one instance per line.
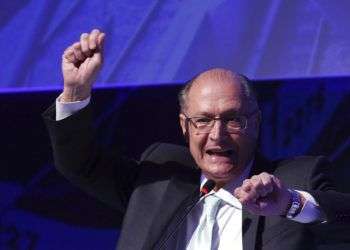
x=219, y=131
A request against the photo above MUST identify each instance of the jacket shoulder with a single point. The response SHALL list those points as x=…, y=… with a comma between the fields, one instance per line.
x=296, y=172
x=169, y=154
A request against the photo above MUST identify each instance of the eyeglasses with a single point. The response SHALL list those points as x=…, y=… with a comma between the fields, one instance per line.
x=233, y=123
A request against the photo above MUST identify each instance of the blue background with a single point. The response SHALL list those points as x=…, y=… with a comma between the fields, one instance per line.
x=297, y=53
x=162, y=42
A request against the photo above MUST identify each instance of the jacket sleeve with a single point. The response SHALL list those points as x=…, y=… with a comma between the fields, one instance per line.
x=105, y=175
x=335, y=205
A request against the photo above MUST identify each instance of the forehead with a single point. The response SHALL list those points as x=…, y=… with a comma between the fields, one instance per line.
x=215, y=96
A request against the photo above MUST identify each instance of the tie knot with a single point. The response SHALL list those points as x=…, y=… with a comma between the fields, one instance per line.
x=211, y=205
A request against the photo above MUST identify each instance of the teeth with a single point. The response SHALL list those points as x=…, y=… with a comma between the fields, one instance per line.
x=219, y=151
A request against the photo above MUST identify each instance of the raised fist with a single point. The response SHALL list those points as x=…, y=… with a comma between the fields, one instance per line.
x=80, y=64
x=264, y=194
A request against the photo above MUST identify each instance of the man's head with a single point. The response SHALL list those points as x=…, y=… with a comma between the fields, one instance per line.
x=220, y=148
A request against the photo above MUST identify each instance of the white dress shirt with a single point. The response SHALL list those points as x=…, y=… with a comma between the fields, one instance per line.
x=229, y=217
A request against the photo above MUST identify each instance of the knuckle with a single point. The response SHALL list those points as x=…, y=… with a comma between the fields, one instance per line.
x=247, y=187
x=246, y=182
x=77, y=53
x=76, y=45
x=69, y=57
x=255, y=177
x=67, y=51
x=93, y=37
x=84, y=36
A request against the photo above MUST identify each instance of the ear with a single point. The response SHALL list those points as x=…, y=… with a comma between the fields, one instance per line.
x=182, y=120
x=184, y=126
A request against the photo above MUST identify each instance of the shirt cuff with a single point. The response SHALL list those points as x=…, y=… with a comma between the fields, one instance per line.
x=311, y=211
x=65, y=109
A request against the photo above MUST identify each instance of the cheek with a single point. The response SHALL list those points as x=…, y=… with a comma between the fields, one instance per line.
x=246, y=147
x=197, y=144
x=243, y=143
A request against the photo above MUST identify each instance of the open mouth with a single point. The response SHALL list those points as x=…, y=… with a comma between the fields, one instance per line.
x=226, y=153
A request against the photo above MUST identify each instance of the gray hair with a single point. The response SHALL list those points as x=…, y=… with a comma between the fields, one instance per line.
x=247, y=90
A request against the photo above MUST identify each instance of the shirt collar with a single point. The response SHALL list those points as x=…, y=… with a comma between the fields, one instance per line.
x=226, y=193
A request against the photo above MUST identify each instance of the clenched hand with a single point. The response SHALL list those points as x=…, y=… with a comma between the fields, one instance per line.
x=264, y=194
x=80, y=64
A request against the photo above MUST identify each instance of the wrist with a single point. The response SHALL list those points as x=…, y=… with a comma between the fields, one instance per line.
x=74, y=94
x=295, y=205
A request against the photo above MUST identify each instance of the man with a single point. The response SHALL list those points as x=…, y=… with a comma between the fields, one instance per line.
x=254, y=204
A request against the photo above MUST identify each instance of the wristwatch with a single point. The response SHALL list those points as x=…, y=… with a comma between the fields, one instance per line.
x=295, y=205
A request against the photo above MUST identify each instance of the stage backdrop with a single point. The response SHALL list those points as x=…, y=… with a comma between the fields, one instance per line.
x=160, y=42
x=40, y=210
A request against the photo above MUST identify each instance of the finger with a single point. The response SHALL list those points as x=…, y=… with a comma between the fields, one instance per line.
x=240, y=194
x=97, y=58
x=98, y=55
x=84, y=43
x=247, y=185
x=237, y=192
x=250, y=190
x=93, y=39
x=263, y=184
x=77, y=51
x=245, y=197
x=68, y=55
x=268, y=182
x=100, y=40
x=258, y=185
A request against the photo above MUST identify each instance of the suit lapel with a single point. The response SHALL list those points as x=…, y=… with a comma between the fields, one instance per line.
x=181, y=194
x=252, y=224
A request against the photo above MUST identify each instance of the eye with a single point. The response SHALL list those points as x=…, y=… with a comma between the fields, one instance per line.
x=234, y=121
x=201, y=121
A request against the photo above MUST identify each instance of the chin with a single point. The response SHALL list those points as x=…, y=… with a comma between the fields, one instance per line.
x=221, y=172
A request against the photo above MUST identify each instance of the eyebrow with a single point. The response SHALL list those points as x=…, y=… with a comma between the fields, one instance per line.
x=225, y=113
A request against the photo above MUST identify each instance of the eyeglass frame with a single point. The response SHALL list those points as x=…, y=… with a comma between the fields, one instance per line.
x=216, y=118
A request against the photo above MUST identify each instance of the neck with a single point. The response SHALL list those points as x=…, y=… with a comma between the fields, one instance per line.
x=219, y=185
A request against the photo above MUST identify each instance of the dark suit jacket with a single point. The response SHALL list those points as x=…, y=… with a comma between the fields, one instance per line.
x=155, y=193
